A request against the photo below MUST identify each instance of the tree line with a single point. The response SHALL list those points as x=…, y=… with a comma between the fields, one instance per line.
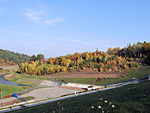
x=12, y=58
x=98, y=61
x=139, y=51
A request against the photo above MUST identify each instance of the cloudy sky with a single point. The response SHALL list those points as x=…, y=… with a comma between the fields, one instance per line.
x=60, y=27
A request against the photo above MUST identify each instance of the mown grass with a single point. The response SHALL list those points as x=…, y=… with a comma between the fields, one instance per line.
x=138, y=73
x=9, y=89
x=105, y=81
x=127, y=99
x=4, y=71
x=24, y=79
x=135, y=73
x=8, y=69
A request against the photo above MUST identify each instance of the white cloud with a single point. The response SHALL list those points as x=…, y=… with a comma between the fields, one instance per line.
x=14, y=32
x=33, y=17
x=54, y=20
x=86, y=43
x=71, y=40
x=39, y=17
x=66, y=40
x=36, y=36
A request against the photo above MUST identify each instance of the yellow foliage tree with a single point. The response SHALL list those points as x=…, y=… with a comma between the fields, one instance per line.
x=21, y=68
x=63, y=69
x=101, y=69
x=84, y=68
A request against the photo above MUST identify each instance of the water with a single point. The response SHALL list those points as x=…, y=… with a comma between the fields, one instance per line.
x=4, y=81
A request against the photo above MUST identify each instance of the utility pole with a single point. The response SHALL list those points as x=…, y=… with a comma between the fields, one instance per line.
x=95, y=81
x=1, y=95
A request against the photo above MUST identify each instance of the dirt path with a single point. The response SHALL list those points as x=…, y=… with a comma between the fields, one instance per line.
x=87, y=76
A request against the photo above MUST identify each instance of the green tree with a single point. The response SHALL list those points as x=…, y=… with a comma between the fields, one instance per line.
x=40, y=57
x=33, y=58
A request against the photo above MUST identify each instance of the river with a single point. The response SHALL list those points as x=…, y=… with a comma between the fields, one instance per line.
x=4, y=81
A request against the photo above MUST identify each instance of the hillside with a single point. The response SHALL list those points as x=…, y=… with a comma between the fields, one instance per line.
x=126, y=99
x=114, y=60
x=12, y=58
x=139, y=51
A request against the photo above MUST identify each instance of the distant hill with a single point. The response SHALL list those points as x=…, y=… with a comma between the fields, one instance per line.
x=12, y=58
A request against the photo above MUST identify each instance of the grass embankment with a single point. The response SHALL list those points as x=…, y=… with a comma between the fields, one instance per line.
x=127, y=99
x=135, y=73
x=24, y=79
x=12, y=68
x=9, y=89
x=8, y=69
x=4, y=71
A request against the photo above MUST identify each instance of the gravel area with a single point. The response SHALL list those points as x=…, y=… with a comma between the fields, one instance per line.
x=47, y=93
x=45, y=83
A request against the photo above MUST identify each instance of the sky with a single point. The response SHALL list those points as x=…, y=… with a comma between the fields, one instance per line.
x=60, y=27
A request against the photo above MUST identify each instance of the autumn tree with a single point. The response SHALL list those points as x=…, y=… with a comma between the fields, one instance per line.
x=50, y=61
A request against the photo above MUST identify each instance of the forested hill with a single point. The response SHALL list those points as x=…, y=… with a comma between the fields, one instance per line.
x=11, y=58
x=139, y=51
x=114, y=60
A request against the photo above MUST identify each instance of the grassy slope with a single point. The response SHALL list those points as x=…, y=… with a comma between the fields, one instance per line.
x=9, y=89
x=8, y=69
x=25, y=79
x=136, y=73
x=127, y=99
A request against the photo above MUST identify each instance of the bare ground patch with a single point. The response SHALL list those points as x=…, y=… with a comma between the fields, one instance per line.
x=87, y=75
x=29, y=81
